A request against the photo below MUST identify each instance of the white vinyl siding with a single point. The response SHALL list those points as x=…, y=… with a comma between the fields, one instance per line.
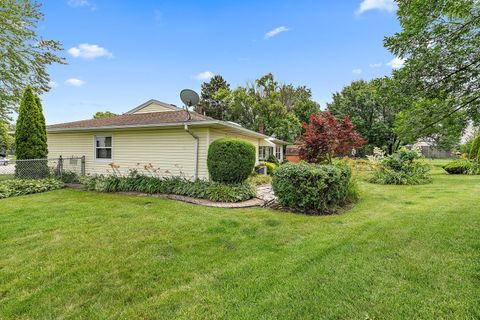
x=171, y=151
x=153, y=107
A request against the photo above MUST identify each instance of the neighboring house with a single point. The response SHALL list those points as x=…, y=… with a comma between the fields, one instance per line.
x=167, y=137
x=292, y=153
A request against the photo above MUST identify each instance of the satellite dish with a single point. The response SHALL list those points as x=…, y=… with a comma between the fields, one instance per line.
x=189, y=97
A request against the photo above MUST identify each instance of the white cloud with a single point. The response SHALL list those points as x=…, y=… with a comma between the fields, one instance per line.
x=204, y=75
x=75, y=82
x=375, y=65
x=357, y=71
x=274, y=32
x=386, y=5
x=89, y=51
x=396, y=63
x=53, y=84
x=81, y=3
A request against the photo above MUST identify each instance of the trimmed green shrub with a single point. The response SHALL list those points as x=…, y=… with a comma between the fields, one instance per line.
x=135, y=182
x=19, y=187
x=312, y=188
x=230, y=160
x=271, y=167
x=404, y=167
x=475, y=149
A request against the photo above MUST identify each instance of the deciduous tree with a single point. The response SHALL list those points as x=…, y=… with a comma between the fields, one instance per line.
x=24, y=55
x=325, y=137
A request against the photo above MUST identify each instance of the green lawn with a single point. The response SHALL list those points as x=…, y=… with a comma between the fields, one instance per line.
x=400, y=253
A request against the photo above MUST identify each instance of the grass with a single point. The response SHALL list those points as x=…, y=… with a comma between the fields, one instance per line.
x=402, y=252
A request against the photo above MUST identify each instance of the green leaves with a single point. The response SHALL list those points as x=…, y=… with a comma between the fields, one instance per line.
x=24, y=55
x=441, y=41
x=30, y=134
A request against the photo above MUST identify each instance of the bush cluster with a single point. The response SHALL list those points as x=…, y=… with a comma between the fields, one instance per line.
x=19, y=187
x=313, y=188
x=462, y=167
x=230, y=160
x=474, y=153
x=404, y=167
x=135, y=182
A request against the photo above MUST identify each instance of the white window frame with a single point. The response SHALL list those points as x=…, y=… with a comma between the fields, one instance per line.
x=262, y=153
x=278, y=152
x=105, y=135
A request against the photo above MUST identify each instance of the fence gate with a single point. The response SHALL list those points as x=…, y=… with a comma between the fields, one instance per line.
x=41, y=168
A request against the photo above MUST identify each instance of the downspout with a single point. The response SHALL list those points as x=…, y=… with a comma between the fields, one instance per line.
x=196, y=149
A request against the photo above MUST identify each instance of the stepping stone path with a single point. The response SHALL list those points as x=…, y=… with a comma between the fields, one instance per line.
x=265, y=193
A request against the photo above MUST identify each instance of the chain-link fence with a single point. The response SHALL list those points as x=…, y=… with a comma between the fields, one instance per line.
x=63, y=168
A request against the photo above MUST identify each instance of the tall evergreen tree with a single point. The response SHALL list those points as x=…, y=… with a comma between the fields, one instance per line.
x=42, y=127
x=213, y=107
x=30, y=138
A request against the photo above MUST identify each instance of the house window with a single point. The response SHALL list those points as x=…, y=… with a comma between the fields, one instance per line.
x=103, y=147
x=262, y=153
x=278, y=152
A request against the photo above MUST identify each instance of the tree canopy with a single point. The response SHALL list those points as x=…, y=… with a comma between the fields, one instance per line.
x=103, y=114
x=280, y=108
x=212, y=106
x=372, y=107
x=440, y=41
x=325, y=137
x=24, y=55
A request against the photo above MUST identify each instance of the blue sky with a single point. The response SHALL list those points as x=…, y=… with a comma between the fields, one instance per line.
x=122, y=53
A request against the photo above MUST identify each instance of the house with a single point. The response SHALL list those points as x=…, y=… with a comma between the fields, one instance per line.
x=156, y=133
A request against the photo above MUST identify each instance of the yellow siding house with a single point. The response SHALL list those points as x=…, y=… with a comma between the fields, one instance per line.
x=154, y=138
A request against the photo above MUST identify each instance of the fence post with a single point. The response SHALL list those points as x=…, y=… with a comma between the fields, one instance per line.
x=83, y=166
x=60, y=166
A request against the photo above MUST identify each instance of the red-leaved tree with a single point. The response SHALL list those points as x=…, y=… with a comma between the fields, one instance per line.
x=325, y=137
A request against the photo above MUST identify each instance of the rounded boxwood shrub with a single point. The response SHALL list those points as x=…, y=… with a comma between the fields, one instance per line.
x=230, y=160
x=312, y=188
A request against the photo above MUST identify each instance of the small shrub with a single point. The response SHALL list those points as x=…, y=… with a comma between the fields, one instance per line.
x=312, y=187
x=19, y=187
x=474, y=149
x=273, y=159
x=69, y=177
x=230, y=160
x=271, y=167
x=404, y=167
x=462, y=167
x=259, y=179
x=458, y=167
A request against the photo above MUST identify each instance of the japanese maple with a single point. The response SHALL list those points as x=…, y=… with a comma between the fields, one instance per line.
x=325, y=137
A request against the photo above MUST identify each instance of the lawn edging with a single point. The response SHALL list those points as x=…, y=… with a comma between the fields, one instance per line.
x=254, y=202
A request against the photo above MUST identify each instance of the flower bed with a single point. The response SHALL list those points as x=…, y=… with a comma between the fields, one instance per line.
x=134, y=182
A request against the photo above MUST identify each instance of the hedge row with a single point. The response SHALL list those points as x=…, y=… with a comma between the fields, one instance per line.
x=18, y=187
x=214, y=191
x=312, y=188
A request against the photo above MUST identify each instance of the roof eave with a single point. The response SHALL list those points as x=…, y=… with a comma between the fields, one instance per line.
x=172, y=125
